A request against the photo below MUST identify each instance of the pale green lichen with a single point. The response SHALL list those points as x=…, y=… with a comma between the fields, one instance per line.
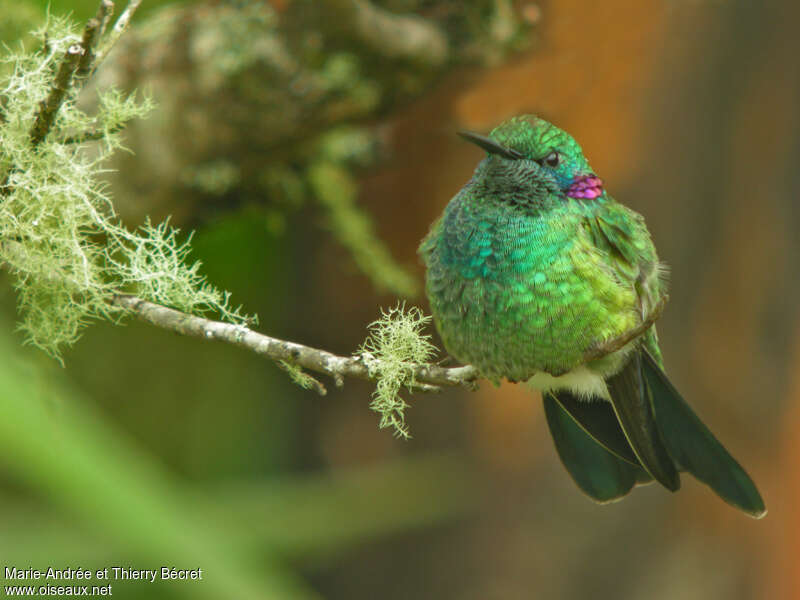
x=155, y=264
x=395, y=346
x=59, y=235
x=300, y=377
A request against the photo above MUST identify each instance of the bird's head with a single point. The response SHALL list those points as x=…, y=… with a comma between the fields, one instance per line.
x=539, y=151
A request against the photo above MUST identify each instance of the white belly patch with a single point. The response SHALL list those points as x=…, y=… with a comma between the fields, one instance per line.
x=581, y=381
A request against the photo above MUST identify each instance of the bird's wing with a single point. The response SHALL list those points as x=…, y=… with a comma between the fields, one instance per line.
x=622, y=236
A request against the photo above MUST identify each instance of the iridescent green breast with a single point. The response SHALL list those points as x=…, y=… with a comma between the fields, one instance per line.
x=516, y=293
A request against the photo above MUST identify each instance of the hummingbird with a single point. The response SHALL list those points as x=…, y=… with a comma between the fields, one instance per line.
x=531, y=268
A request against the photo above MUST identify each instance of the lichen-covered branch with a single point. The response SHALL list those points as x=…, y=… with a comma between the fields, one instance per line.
x=92, y=134
x=91, y=35
x=427, y=377
x=365, y=365
x=119, y=28
x=48, y=109
x=78, y=60
x=62, y=242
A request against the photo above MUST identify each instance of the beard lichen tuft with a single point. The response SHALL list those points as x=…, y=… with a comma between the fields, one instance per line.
x=60, y=238
x=396, y=344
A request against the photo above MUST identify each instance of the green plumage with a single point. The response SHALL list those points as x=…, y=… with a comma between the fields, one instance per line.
x=533, y=265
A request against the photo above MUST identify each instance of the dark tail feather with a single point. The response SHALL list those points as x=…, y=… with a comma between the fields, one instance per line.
x=635, y=412
x=597, y=418
x=599, y=473
x=695, y=448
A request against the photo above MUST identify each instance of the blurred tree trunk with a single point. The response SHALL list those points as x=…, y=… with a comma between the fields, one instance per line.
x=247, y=90
x=271, y=104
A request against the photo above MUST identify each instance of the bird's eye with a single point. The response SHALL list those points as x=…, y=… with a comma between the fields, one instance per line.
x=552, y=160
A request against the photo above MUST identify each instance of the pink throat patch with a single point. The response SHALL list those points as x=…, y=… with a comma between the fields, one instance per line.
x=587, y=186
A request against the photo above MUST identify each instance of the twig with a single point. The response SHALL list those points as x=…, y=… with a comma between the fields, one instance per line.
x=395, y=36
x=48, y=108
x=91, y=135
x=104, y=12
x=302, y=378
x=119, y=28
x=6, y=189
x=429, y=377
x=91, y=35
x=78, y=61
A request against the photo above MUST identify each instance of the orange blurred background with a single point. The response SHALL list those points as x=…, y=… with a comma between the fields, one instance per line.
x=689, y=112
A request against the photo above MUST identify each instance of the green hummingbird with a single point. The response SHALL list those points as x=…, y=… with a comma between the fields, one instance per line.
x=531, y=268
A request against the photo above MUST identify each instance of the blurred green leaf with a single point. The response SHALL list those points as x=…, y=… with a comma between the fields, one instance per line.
x=320, y=514
x=106, y=502
x=83, y=465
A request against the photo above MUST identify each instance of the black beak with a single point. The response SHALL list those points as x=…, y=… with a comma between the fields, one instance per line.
x=490, y=145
